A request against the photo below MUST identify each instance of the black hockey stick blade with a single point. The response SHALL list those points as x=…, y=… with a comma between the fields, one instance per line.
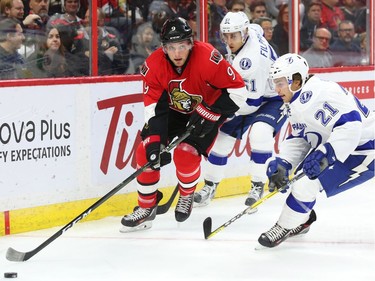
x=207, y=227
x=13, y=255
x=162, y=209
x=207, y=224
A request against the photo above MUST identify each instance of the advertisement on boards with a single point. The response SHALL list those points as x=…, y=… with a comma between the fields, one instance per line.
x=37, y=144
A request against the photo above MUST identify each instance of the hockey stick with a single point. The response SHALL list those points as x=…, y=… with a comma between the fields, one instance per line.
x=162, y=209
x=207, y=224
x=14, y=255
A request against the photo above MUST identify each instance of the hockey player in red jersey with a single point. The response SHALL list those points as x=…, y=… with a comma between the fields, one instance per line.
x=186, y=83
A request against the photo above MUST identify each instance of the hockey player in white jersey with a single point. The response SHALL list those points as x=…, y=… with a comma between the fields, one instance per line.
x=332, y=141
x=252, y=56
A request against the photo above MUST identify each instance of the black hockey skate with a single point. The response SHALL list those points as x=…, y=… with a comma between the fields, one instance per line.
x=274, y=236
x=305, y=227
x=278, y=234
x=183, y=208
x=141, y=218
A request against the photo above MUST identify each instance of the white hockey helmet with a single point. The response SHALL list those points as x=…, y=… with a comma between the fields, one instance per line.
x=235, y=22
x=287, y=65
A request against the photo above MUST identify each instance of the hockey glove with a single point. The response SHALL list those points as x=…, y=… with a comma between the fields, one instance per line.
x=278, y=174
x=203, y=120
x=153, y=146
x=319, y=160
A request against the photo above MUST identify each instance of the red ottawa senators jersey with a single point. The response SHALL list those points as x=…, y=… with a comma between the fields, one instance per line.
x=203, y=78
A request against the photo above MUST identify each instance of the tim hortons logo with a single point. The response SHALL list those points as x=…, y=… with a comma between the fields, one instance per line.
x=117, y=104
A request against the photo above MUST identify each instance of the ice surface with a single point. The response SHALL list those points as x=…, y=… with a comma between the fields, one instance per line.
x=339, y=246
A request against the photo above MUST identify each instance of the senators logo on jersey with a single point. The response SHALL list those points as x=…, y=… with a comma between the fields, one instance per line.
x=180, y=100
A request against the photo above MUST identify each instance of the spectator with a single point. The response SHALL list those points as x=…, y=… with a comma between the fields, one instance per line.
x=281, y=30
x=154, y=8
x=12, y=64
x=118, y=18
x=15, y=9
x=26, y=8
x=50, y=60
x=69, y=21
x=319, y=55
x=273, y=7
x=158, y=20
x=55, y=6
x=257, y=10
x=236, y=6
x=346, y=50
x=185, y=7
x=361, y=15
x=40, y=8
x=35, y=32
x=266, y=24
x=170, y=7
x=348, y=8
x=331, y=16
x=247, y=8
x=192, y=18
x=310, y=23
x=109, y=7
x=365, y=56
x=111, y=58
x=144, y=42
x=84, y=6
x=217, y=12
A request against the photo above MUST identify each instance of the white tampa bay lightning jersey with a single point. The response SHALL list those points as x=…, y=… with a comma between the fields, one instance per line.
x=323, y=111
x=253, y=63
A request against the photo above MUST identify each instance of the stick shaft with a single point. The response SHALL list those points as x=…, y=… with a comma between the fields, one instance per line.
x=208, y=233
x=14, y=255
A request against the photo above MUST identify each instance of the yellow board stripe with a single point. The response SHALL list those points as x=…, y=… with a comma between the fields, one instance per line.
x=41, y=217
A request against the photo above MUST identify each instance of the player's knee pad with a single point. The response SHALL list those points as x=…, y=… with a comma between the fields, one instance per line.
x=149, y=176
x=223, y=144
x=187, y=160
x=261, y=137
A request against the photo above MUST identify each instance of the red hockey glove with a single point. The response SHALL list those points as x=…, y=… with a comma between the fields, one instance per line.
x=203, y=120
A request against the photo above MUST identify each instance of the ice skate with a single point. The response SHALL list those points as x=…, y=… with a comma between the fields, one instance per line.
x=256, y=193
x=274, y=236
x=204, y=196
x=278, y=234
x=140, y=219
x=183, y=208
x=305, y=227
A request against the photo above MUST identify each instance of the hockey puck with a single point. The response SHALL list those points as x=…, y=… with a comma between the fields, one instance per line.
x=10, y=275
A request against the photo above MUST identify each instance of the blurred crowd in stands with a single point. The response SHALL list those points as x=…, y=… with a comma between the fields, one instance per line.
x=51, y=38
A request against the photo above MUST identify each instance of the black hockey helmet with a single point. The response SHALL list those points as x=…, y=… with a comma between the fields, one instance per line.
x=175, y=29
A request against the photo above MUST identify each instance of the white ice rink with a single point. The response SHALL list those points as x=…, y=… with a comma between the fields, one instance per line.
x=340, y=246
